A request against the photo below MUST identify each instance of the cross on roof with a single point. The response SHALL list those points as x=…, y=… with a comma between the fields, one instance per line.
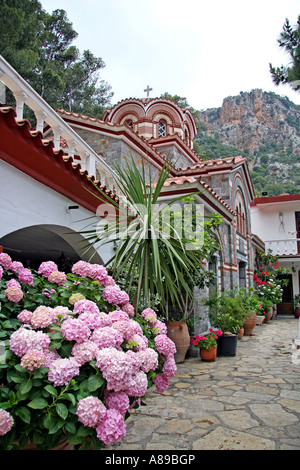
x=148, y=89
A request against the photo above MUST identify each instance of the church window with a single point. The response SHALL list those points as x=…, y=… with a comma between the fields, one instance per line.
x=186, y=137
x=162, y=129
x=129, y=123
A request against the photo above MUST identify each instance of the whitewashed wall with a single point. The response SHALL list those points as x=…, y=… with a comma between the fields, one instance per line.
x=24, y=202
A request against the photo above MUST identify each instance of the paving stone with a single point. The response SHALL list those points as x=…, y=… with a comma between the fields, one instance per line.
x=247, y=402
x=273, y=414
x=225, y=439
x=237, y=419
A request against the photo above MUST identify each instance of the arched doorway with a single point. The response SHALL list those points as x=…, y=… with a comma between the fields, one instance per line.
x=35, y=244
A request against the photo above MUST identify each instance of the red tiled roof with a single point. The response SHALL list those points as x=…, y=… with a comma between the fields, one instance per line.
x=180, y=180
x=27, y=151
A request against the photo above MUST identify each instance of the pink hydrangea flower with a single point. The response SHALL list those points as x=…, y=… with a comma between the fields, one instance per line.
x=114, y=295
x=118, y=401
x=136, y=327
x=124, y=328
x=58, y=277
x=141, y=341
x=135, y=361
x=138, y=385
x=81, y=268
x=92, y=320
x=85, y=352
x=46, y=268
x=60, y=313
x=75, y=298
x=164, y=345
x=98, y=273
x=33, y=359
x=25, y=276
x=107, y=337
x=1, y=272
x=23, y=340
x=128, y=308
x=116, y=368
x=161, y=382
x=118, y=315
x=112, y=428
x=51, y=355
x=75, y=330
x=90, y=411
x=16, y=266
x=12, y=283
x=5, y=261
x=85, y=305
x=148, y=359
x=109, y=281
x=159, y=328
x=6, y=422
x=14, y=294
x=25, y=316
x=170, y=368
x=149, y=315
x=61, y=371
x=41, y=317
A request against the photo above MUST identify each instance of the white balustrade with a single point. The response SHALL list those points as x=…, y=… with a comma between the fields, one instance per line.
x=25, y=94
x=288, y=246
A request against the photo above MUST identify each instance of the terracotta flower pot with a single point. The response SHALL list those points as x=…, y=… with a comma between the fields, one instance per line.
x=178, y=332
x=249, y=324
x=208, y=355
x=269, y=314
x=240, y=332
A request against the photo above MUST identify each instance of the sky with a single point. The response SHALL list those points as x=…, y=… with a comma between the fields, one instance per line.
x=201, y=50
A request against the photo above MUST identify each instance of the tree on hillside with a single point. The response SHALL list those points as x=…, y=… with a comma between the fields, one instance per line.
x=39, y=46
x=20, y=27
x=289, y=40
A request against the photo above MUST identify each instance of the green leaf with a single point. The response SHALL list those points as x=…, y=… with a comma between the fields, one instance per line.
x=62, y=410
x=56, y=425
x=95, y=382
x=16, y=376
x=52, y=390
x=74, y=439
x=24, y=414
x=25, y=387
x=70, y=396
x=70, y=427
x=38, y=404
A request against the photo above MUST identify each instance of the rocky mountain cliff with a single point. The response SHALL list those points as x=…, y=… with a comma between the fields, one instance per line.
x=262, y=126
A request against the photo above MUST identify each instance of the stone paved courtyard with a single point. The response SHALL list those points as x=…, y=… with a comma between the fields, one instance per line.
x=247, y=402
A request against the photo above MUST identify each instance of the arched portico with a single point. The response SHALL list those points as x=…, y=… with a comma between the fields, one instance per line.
x=37, y=243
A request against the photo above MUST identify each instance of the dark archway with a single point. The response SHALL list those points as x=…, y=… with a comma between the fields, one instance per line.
x=35, y=244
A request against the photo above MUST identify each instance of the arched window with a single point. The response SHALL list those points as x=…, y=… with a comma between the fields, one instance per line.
x=187, y=137
x=241, y=217
x=162, y=129
x=129, y=123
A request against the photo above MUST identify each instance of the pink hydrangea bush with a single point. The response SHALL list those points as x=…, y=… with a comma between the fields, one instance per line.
x=78, y=359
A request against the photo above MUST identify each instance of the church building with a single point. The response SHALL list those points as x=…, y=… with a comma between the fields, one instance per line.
x=45, y=173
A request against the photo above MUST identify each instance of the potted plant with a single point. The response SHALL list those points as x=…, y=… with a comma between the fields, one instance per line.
x=297, y=306
x=225, y=313
x=76, y=360
x=250, y=303
x=266, y=309
x=207, y=345
x=166, y=267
